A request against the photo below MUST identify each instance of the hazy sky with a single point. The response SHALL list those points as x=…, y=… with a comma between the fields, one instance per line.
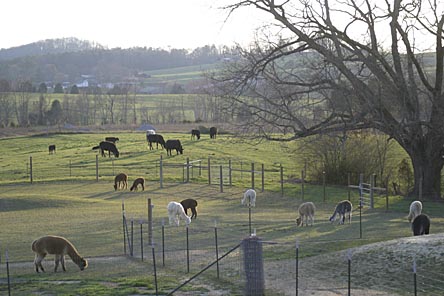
x=114, y=23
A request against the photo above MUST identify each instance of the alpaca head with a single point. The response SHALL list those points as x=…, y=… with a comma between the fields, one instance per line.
x=83, y=264
x=115, y=186
x=298, y=221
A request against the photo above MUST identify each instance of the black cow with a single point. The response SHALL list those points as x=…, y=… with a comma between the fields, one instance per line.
x=156, y=138
x=107, y=146
x=195, y=134
x=173, y=144
x=111, y=139
x=213, y=132
x=52, y=149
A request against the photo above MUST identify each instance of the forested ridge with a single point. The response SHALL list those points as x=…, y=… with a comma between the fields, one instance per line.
x=59, y=60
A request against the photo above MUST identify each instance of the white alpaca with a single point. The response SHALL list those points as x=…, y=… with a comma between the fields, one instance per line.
x=306, y=212
x=175, y=212
x=415, y=210
x=249, y=198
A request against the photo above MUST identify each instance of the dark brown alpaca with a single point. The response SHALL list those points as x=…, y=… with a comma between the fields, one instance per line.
x=136, y=183
x=190, y=204
x=121, y=181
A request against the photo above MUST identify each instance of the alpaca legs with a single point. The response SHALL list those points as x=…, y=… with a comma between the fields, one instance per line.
x=193, y=210
x=38, y=262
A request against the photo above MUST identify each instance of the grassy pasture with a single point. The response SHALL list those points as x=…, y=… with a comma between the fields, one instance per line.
x=89, y=214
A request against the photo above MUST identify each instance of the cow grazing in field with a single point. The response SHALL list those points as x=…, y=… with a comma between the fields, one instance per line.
x=107, y=146
x=155, y=138
x=112, y=139
x=213, y=132
x=59, y=246
x=195, y=134
x=173, y=144
x=190, y=204
x=52, y=149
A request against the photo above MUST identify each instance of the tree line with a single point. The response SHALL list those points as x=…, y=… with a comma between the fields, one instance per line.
x=60, y=61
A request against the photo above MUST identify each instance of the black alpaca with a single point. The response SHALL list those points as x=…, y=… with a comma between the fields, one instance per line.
x=190, y=204
x=156, y=138
x=421, y=225
x=107, y=146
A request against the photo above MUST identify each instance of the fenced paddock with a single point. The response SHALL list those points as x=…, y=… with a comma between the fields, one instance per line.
x=98, y=235
x=88, y=211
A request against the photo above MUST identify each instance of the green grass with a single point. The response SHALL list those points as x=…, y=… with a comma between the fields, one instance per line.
x=89, y=213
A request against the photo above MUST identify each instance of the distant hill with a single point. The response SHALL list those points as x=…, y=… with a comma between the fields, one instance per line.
x=69, y=60
x=49, y=46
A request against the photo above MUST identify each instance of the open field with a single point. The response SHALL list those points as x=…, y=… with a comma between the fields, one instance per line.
x=89, y=213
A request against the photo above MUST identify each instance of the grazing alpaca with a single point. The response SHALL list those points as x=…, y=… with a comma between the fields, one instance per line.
x=415, y=210
x=249, y=198
x=421, y=225
x=306, y=211
x=52, y=149
x=58, y=246
x=175, y=212
x=136, y=183
x=342, y=208
x=190, y=204
x=121, y=181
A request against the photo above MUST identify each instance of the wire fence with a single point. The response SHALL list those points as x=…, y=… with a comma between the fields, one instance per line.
x=252, y=265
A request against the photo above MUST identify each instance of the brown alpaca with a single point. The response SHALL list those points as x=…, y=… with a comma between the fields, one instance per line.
x=136, y=183
x=190, y=204
x=58, y=246
x=121, y=181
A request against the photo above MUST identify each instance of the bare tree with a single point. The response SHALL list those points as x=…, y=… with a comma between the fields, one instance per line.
x=342, y=66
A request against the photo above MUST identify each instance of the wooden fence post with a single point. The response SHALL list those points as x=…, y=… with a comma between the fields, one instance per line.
x=188, y=169
x=161, y=171
x=30, y=169
x=263, y=177
x=221, y=180
x=282, y=179
x=209, y=171
x=230, y=173
x=97, y=168
x=252, y=175
x=302, y=184
x=150, y=222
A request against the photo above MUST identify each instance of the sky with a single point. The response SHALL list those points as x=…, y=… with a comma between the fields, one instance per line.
x=165, y=24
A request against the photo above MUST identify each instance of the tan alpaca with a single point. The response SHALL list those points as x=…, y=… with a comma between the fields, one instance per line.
x=121, y=181
x=58, y=246
x=136, y=183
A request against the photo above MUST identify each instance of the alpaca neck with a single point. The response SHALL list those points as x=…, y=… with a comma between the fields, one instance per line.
x=74, y=255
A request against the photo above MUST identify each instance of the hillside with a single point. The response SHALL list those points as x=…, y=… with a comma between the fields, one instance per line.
x=70, y=60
